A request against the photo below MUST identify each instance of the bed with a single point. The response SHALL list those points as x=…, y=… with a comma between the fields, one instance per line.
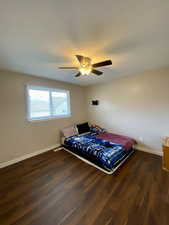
x=106, y=151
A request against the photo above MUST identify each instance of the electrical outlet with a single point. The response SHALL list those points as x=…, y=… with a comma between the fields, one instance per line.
x=141, y=139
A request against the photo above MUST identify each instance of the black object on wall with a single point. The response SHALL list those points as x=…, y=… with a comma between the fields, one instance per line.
x=95, y=102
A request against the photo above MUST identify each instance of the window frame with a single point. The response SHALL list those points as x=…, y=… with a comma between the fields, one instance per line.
x=42, y=88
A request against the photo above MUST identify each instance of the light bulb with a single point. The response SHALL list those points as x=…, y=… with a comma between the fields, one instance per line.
x=85, y=71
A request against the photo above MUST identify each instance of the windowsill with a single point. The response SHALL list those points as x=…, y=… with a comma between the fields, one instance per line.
x=49, y=118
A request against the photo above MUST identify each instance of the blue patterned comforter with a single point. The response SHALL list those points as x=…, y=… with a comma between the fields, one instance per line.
x=104, y=152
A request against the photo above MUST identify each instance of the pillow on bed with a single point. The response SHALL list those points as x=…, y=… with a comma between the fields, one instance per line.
x=69, y=132
x=97, y=129
x=83, y=128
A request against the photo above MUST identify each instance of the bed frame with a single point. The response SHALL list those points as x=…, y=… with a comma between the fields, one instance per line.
x=98, y=167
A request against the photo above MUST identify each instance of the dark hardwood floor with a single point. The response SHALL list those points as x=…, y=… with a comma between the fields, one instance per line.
x=56, y=188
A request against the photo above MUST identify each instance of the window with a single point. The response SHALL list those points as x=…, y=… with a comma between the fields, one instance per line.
x=46, y=103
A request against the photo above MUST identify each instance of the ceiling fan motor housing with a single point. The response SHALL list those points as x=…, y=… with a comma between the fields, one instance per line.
x=86, y=66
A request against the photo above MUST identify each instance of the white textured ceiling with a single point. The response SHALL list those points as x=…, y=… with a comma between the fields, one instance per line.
x=37, y=36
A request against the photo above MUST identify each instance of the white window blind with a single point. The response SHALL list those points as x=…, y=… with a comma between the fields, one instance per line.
x=46, y=103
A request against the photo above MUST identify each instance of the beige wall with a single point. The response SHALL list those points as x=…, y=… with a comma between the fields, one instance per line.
x=137, y=106
x=19, y=136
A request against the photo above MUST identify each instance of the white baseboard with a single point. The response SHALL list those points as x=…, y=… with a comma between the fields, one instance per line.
x=139, y=148
x=21, y=158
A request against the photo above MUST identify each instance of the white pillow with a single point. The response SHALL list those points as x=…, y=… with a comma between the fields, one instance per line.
x=69, y=131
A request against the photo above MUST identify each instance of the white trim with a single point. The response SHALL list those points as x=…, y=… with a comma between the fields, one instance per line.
x=92, y=164
x=21, y=158
x=139, y=148
x=49, y=118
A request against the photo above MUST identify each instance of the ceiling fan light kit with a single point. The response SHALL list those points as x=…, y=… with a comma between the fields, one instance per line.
x=85, y=71
x=86, y=66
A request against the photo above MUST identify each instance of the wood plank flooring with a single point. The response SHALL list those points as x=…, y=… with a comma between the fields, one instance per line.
x=56, y=188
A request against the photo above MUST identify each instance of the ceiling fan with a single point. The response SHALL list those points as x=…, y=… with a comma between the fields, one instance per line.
x=86, y=66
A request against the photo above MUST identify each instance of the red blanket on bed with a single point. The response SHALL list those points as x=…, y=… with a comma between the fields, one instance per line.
x=127, y=142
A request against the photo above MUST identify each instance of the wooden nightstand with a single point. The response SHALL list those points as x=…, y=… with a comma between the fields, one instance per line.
x=166, y=157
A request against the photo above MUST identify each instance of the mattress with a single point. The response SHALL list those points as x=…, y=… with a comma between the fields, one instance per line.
x=104, y=153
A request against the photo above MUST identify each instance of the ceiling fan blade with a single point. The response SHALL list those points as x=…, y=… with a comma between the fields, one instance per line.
x=78, y=74
x=97, y=72
x=80, y=58
x=68, y=67
x=104, y=63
